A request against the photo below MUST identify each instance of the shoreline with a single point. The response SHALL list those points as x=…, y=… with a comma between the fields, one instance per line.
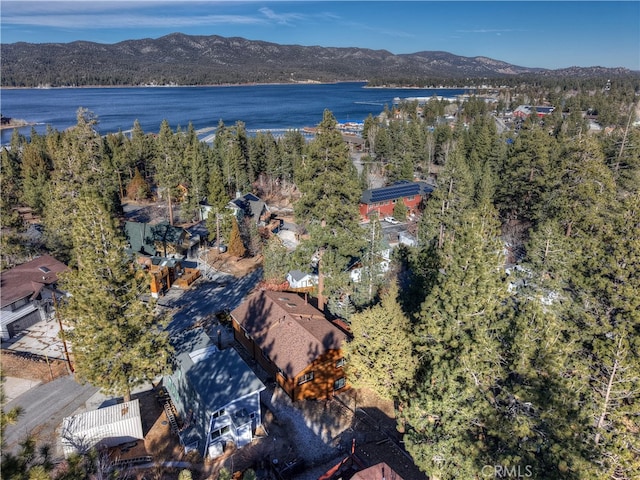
x=250, y=84
x=254, y=84
x=16, y=124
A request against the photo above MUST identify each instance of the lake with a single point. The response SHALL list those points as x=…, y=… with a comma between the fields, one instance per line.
x=273, y=107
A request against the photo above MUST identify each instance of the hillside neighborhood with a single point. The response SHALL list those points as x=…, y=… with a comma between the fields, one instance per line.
x=445, y=289
x=217, y=398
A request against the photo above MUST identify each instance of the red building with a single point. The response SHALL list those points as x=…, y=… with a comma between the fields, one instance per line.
x=382, y=200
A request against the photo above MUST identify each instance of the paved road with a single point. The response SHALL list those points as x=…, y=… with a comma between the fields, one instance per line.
x=44, y=408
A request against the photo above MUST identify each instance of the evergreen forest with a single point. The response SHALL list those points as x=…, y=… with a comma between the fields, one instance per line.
x=508, y=338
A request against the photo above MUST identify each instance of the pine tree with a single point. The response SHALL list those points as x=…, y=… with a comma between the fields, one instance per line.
x=459, y=336
x=236, y=246
x=274, y=267
x=36, y=167
x=168, y=165
x=607, y=320
x=291, y=148
x=11, y=174
x=400, y=210
x=139, y=153
x=79, y=167
x=526, y=175
x=217, y=198
x=195, y=160
x=539, y=420
x=579, y=198
x=328, y=208
x=380, y=356
x=117, y=341
x=138, y=189
x=454, y=193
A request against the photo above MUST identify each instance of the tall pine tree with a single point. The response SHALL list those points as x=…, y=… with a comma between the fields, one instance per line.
x=380, y=355
x=117, y=341
x=328, y=208
x=459, y=335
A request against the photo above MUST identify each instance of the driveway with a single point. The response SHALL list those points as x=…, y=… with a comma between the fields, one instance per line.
x=44, y=407
x=209, y=297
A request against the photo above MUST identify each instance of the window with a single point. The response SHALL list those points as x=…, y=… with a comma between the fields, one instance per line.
x=19, y=303
x=220, y=432
x=242, y=413
x=339, y=383
x=219, y=413
x=340, y=362
x=307, y=377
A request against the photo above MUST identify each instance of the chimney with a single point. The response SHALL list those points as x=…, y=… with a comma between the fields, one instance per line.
x=238, y=194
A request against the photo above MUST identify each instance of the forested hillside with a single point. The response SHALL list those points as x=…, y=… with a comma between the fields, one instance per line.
x=179, y=59
x=508, y=338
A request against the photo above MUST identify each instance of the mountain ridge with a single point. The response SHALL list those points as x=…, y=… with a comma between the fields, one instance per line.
x=180, y=59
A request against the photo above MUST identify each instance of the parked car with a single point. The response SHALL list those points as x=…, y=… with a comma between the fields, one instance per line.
x=391, y=220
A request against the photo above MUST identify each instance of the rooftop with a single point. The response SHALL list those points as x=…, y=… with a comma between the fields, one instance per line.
x=397, y=190
x=142, y=237
x=290, y=331
x=28, y=279
x=217, y=376
x=379, y=471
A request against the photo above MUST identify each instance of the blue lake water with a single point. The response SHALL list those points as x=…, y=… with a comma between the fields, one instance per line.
x=275, y=107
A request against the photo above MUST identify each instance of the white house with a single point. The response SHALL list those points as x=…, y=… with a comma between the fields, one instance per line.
x=300, y=279
x=216, y=394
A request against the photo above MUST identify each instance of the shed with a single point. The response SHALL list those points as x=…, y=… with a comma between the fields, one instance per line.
x=299, y=279
x=104, y=427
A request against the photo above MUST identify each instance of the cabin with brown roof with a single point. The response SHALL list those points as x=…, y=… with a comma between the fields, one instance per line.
x=379, y=471
x=294, y=342
x=27, y=294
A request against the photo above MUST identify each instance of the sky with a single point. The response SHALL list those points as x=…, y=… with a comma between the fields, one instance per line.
x=546, y=34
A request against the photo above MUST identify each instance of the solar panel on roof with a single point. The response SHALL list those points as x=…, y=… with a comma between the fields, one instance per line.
x=398, y=190
x=394, y=191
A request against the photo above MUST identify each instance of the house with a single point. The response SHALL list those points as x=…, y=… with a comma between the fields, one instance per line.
x=28, y=294
x=104, y=427
x=293, y=342
x=249, y=205
x=300, y=281
x=523, y=111
x=216, y=394
x=382, y=200
x=379, y=471
x=161, y=239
